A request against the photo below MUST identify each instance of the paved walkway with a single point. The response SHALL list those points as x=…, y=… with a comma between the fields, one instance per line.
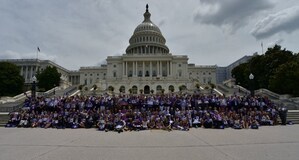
x=267, y=143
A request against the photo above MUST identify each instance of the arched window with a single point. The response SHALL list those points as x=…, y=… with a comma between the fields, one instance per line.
x=159, y=88
x=134, y=89
x=171, y=88
x=146, y=89
x=122, y=89
x=111, y=88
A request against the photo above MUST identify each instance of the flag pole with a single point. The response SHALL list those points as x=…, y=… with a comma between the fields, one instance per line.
x=262, y=45
x=38, y=50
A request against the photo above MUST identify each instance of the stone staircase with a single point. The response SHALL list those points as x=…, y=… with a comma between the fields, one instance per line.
x=293, y=115
x=228, y=91
x=3, y=118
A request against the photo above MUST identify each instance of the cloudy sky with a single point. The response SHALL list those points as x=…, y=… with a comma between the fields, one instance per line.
x=84, y=32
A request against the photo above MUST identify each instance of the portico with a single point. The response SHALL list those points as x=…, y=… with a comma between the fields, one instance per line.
x=147, y=68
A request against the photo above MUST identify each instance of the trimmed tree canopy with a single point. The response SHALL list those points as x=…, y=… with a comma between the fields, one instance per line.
x=11, y=82
x=276, y=70
x=48, y=78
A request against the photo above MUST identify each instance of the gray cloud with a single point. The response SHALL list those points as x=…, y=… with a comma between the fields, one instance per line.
x=229, y=14
x=286, y=20
x=272, y=44
x=84, y=32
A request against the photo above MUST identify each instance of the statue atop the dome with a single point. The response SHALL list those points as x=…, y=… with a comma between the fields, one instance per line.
x=147, y=15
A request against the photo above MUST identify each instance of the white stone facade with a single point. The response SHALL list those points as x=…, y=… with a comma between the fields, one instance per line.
x=29, y=68
x=147, y=65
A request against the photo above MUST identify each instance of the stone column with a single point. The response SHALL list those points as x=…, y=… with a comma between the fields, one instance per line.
x=151, y=69
x=143, y=69
x=157, y=71
x=133, y=69
x=167, y=68
x=161, y=73
x=31, y=71
x=126, y=73
x=21, y=70
x=123, y=68
x=136, y=65
x=25, y=74
x=170, y=68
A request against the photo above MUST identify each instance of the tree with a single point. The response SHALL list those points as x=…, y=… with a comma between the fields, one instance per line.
x=48, y=78
x=212, y=85
x=264, y=68
x=11, y=82
x=162, y=90
x=197, y=85
x=111, y=88
x=182, y=88
x=241, y=73
x=285, y=79
x=152, y=91
x=94, y=87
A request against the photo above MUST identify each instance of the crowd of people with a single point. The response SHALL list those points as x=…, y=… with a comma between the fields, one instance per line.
x=142, y=112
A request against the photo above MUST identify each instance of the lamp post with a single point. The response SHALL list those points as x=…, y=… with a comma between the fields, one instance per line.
x=33, y=87
x=54, y=89
x=251, y=77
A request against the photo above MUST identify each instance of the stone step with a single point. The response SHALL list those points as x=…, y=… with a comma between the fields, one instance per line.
x=3, y=118
x=293, y=115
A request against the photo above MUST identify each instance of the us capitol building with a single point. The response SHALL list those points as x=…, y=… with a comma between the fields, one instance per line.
x=146, y=65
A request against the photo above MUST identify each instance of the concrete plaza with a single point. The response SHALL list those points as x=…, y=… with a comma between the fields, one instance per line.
x=273, y=143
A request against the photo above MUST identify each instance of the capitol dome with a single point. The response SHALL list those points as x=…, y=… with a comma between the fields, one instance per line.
x=147, y=38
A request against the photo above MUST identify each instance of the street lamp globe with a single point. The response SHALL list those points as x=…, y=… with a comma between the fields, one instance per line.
x=33, y=87
x=33, y=79
x=251, y=76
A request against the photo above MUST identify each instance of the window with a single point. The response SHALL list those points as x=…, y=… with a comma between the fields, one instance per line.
x=114, y=66
x=164, y=73
x=114, y=74
x=180, y=65
x=130, y=74
x=158, y=88
x=154, y=73
x=134, y=89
